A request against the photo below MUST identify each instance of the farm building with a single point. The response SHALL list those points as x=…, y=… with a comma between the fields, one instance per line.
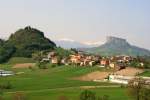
x=120, y=79
x=6, y=73
x=125, y=79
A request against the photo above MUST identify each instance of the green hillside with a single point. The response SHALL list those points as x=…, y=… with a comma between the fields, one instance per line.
x=29, y=40
x=23, y=43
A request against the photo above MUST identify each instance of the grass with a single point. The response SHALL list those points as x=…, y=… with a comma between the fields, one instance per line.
x=15, y=60
x=50, y=83
x=73, y=94
x=49, y=78
x=146, y=73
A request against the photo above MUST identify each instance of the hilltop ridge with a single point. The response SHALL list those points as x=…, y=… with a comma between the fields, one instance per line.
x=29, y=40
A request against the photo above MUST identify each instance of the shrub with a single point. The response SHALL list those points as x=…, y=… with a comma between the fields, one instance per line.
x=52, y=65
x=5, y=85
x=6, y=52
x=138, y=90
x=42, y=65
x=87, y=95
x=105, y=97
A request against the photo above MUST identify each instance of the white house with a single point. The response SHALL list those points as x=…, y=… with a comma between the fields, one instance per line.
x=120, y=79
x=125, y=79
x=6, y=73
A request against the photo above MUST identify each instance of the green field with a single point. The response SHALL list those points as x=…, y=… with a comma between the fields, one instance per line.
x=49, y=84
x=72, y=94
x=146, y=73
x=15, y=60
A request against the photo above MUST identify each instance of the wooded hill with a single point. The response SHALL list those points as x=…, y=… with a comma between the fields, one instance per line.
x=23, y=43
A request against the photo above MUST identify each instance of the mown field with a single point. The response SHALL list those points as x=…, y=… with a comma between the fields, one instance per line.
x=52, y=83
x=146, y=73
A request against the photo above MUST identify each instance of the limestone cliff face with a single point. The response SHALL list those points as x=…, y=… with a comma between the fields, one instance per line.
x=114, y=41
x=118, y=46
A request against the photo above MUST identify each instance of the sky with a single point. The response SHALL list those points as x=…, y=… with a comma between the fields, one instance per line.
x=80, y=20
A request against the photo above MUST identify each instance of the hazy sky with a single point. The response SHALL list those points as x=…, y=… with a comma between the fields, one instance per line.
x=80, y=20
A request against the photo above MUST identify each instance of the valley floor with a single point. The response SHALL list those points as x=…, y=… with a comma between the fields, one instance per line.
x=54, y=83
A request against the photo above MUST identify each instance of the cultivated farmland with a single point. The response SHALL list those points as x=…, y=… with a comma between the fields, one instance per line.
x=51, y=83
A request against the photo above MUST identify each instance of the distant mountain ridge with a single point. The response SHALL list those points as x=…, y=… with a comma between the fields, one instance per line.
x=68, y=44
x=117, y=46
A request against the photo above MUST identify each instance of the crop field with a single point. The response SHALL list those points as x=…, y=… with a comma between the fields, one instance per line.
x=52, y=83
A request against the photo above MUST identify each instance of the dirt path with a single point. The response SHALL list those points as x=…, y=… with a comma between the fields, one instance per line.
x=98, y=75
x=129, y=71
x=24, y=65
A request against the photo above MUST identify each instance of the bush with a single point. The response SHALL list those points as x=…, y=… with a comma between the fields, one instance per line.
x=6, y=51
x=5, y=85
x=87, y=95
x=138, y=90
x=31, y=68
x=123, y=86
x=42, y=65
x=53, y=65
x=105, y=97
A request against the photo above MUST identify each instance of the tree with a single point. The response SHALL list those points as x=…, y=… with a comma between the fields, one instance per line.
x=145, y=94
x=138, y=90
x=1, y=42
x=87, y=95
x=6, y=51
x=37, y=56
x=62, y=53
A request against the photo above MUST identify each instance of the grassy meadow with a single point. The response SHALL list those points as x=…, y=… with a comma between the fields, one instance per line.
x=52, y=83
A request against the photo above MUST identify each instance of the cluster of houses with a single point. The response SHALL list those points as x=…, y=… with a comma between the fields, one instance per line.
x=82, y=59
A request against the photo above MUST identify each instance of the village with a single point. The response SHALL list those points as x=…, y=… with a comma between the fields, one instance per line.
x=81, y=59
x=122, y=72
